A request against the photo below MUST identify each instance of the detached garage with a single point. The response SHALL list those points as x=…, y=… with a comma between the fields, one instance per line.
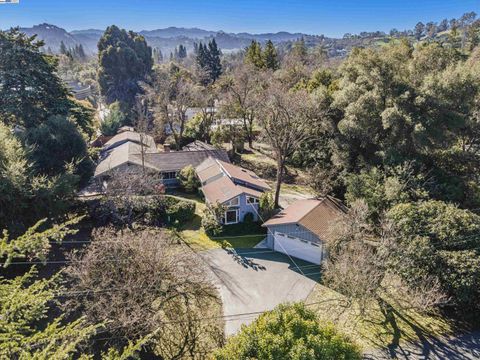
x=302, y=228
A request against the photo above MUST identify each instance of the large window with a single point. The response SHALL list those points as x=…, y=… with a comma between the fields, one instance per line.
x=234, y=202
x=169, y=175
x=231, y=217
x=252, y=200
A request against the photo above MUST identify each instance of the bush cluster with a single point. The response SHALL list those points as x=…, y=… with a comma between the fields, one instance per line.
x=144, y=210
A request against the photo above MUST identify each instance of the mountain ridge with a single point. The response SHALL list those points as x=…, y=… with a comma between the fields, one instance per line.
x=164, y=38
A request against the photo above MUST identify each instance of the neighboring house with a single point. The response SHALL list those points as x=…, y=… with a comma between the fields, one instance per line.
x=131, y=152
x=301, y=229
x=238, y=189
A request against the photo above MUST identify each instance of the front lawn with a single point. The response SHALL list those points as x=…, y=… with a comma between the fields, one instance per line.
x=236, y=236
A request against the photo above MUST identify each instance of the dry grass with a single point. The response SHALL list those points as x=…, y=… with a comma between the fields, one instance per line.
x=375, y=328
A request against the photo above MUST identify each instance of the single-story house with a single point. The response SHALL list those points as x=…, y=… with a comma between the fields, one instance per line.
x=238, y=189
x=302, y=228
x=129, y=151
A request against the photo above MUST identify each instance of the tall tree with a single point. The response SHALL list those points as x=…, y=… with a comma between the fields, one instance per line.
x=253, y=55
x=208, y=61
x=270, y=56
x=242, y=97
x=124, y=60
x=29, y=87
x=419, y=30
x=284, y=119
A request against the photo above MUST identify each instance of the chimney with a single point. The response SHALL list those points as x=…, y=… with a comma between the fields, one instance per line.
x=166, y=147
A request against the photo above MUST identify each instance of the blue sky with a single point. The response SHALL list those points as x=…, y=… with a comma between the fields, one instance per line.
x=332, y=18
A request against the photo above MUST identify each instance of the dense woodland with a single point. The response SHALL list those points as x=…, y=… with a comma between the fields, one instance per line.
x=393, y=130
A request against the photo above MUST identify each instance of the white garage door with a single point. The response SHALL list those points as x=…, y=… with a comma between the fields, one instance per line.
x=298, y=248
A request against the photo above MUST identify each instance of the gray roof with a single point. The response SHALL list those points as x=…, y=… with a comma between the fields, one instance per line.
x=130, y=136
x=130, y=153
x=177, y=160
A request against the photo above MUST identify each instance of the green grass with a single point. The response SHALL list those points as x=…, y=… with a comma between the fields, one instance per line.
x=236, y=236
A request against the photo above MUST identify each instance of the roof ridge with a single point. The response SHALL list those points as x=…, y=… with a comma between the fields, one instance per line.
x=313, y=208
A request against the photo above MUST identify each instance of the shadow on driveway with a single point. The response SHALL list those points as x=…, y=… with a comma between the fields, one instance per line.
x=251, y=281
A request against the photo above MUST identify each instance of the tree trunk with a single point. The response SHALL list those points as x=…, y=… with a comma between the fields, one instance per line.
x=280, y=166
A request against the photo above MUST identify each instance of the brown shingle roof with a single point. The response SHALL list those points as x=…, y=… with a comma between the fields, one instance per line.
x=244, y=175
x=223, y=189
x=315, y=215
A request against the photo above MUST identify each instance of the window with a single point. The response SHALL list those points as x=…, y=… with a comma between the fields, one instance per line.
x=252, y=200
x=291, y=237
x=304, y=241
x=231, y=217
x=315, y=244
x=233, y=202
x=169, y=175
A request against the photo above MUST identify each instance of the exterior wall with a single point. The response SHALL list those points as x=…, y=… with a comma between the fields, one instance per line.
x=129, y=168
x=293, y=230
x=244, y=208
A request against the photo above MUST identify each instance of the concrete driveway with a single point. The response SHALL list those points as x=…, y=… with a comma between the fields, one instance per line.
x=257, y=280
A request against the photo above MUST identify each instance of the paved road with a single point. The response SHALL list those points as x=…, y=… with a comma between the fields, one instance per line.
x=463, y=347
x=256, y=280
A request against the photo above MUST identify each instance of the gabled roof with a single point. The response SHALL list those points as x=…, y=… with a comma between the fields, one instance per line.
x=122, y=154
x=315, y=215
x=124, y=148
x=218, y=184
x=177, y=160
x=223, y=189
x=244, y=175
x=130, y=136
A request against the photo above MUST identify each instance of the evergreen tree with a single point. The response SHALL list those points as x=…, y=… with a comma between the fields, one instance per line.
x=208, y=60
x=270, y=56
x=182, y=52
x=39, y=92
x=81, y=52
x=215, y=66
x=63, y=48
x=253, y=55
x=124, y=60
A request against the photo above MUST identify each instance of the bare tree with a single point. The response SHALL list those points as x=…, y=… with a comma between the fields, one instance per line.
x=171, y=93
x=146, y=283
x=242, y=96
x=285, y=119
x=363, y=266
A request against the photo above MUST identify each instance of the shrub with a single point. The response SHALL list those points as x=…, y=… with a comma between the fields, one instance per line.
x=267, y=205
x=180, y=211
x=288, y=332
x=113, y=121
x=122, y=211
x=210, y=220
x=248, y=218
x=188, y=179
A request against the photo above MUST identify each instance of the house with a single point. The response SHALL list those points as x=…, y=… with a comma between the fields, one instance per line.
x=302, y=228
x=129, y=151
x=238, y=189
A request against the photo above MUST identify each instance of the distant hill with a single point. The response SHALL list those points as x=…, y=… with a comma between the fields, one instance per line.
x=168, y=38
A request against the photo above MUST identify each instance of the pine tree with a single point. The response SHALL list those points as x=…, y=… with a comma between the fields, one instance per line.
x=81, y=52
x=270, y=56
x=182, y=52
x=253, y=55
x=215, y=66
x=63, y=48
